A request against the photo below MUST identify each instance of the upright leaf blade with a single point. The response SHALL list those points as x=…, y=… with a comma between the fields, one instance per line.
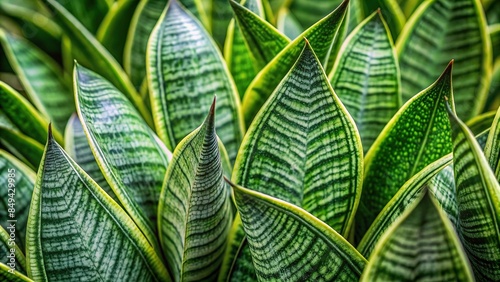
x=439, y=31
x=5, y=275
x=492, y=148
x=12, y=255
x=366, y=77
x=131, y=158
x=76, y=231
x=22, y=146
x=289, y=244
x=185, y=69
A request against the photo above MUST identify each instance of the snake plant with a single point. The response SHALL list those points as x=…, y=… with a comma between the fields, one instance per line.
x=252, y=140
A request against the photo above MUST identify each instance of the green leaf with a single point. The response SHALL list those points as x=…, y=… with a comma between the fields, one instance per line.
x=41, y=78
x=23, y=179
x=321, y=37
x=438, y=32
x=12, y=256
x=262, y=39
x=129, y=154
x=289, y=244
x=134, y=54
x=494, y=31
x=492, y=149
x=478, y=198
x=25, y=148
x=185, y=69
x=78, y=148
x=194, y=215
x=201, y=10
x=288, y=24
x=390, y=10
x=481, y=122
x=89, y=13
x=5, y=275
x=112, y=32
x=98, y=56
x=416, y=136
x=421, y=246
x=491, y=9
x=220, y=18
x=308, y=12
x=366, y=77
x=76, y=231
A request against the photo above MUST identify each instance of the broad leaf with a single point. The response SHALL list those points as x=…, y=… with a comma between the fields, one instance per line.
x=76, y=231
x=478, y=198
x=416, y=136
x=41, y=78
x=23, y=147
x=442, y=30
x=185, y=69
x=421, y=246
x=98, y=56
x=321, y=37
x=366, y=77
x=129, y=154
x=12, y=255
x=195, y=208
x=17, y=180
x=289, y=244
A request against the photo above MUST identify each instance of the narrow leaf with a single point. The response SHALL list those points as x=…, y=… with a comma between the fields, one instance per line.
x=195, y=209
x=127, y=151
x=492, y=149
x=421, y=246
x=494, y=31
x=478, y=197
x=12, y=256
x=366, y=77
x=89, y=13
x=5, y=275
x=416, y=136
x=439, y=31
x=22, y=146
x=289, y=244
x=76, y=231
x=185, y=69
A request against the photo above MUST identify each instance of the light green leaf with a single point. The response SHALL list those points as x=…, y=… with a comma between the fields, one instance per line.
x=41, y=78
x=5, y=275
x=478, y=198
x=98, y=56
x=492, y=149
x=390, y=10
x=416, y=136
x=134, y=54
x=421, y=246
x=12, y=255
x=86, y=235
x=89, y=13
x=194, y=215
x=439, y=31
x=288, y=24
x=22, y=178
x=481, y=122
x=409, y=6
x=308, y=12
x=129, y=154
x=366, y=77
x=78, y=148
x=25, y=148
x=202, y=10
x=289, y=244
x=220, y=18
x=185, y=69
x=321, y=37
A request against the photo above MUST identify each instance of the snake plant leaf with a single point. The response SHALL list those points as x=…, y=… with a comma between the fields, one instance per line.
x=112, y=32
x=238, y=56
x=98, y=56
x=11, y=253
x=194, y=242
x=288, y=24
x=494, y=31
x=308, y=13
x=421, y=246
x=439, y=31
x=390, y=10
x=478, y=199
x=491, y=9
x=78, y=148
x=321, y=37
x=129, y=154
x=409, y=6
x=221, y=16
x=185, y=69
x=201, y=10
x=368, y=82
x=85, y=233
x=5, y=275
x=23, y=177
x=89, y=13
x=316, y=152
x=493, y=101
x=23, y=115
x=416, y=136
x=481, y=122
x=41, y=78
x=23, y=147
x=263, y=40
x=492, y=149
x=134, y=54
x=289, y=244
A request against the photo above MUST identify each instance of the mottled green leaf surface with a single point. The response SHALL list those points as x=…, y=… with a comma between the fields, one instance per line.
x=11, y=253
x=185, y=69
x=289, y=244
x=194, y=215
x=390, y=9
x=5, y=275
x=478, y=199
x=129, y=154
x=366, y=78
x=421, y=246
x=492, y=149
x=416, y=136
x=89, y=12
x=439, y=31
x=76, y=232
